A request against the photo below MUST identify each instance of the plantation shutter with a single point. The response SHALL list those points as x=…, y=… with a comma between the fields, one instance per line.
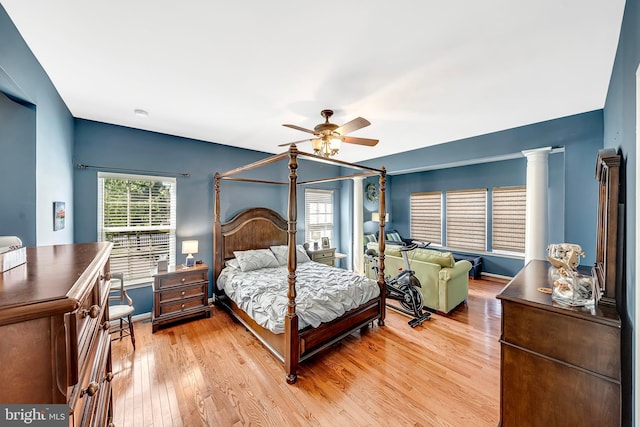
x=509, y=214
x=138, y=214
x=426, y=217
x=318, y=219
x=467, y=219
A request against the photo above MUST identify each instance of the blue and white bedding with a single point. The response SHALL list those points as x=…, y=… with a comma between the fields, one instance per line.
x=324, y=293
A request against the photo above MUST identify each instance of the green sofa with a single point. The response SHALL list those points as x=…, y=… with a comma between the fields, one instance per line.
x=445, y=282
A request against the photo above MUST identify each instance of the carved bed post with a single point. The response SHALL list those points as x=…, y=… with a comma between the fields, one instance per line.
x=292, y=337
x=381, y=247
x=218, y=256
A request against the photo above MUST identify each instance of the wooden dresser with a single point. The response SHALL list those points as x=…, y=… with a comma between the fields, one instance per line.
x=560, y=366
x=54, y=338
x=180, y=294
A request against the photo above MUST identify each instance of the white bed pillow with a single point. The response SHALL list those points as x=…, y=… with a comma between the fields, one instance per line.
x=254, y=259
x=282, y=254
x=232, y=263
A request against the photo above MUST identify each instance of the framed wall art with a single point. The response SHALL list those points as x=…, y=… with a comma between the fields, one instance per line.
x=58, y=216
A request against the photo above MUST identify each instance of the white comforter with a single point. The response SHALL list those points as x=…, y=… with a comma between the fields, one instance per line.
x=323, y=293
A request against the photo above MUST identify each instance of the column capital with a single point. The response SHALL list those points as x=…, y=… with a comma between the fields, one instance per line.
x=536, y=152
x=357, y=178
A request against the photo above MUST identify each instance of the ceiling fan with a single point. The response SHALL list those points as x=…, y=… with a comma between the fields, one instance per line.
x=329, y=136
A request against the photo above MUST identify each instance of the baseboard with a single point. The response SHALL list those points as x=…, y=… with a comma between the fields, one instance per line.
x=496, y=276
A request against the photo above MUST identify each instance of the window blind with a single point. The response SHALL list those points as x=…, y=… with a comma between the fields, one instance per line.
x=509, y=219
x=318, y=219
x=426, y=217
x=467, y=219
x=138, y=214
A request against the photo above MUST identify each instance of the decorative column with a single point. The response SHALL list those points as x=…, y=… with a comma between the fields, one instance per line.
x=358, y=225
x=536, y=229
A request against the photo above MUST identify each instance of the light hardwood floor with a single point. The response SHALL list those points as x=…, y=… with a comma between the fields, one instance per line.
x=212, y=372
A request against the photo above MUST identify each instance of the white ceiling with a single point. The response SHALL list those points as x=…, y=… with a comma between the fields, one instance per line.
x=423, y=72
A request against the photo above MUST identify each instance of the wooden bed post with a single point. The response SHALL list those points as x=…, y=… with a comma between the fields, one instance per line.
x=381, y=247
x=292, y=337
x=218, y=256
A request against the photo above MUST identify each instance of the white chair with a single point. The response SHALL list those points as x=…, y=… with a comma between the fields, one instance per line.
x=121, y=311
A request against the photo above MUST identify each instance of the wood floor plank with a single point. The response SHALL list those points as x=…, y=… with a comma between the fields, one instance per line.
x=212, y=372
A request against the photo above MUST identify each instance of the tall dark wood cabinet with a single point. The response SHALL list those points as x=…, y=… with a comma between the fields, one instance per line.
x=54, y=337
x=560, y=366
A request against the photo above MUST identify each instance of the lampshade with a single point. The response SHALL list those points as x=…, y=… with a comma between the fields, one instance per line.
x=190, y=246
x=375, y=216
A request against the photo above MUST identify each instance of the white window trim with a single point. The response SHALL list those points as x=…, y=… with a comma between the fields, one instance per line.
x=172, y=227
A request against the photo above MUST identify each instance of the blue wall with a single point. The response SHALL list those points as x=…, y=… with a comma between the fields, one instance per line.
x=22, y=77
x=572, y=186
x=110, y=146
x=105, y=145
x=620, y=133
x=18, y=170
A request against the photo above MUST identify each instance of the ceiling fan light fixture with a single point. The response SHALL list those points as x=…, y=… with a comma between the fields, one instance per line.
x=334, y=144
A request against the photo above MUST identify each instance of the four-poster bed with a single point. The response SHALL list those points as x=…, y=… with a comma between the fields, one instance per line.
x=260, y=228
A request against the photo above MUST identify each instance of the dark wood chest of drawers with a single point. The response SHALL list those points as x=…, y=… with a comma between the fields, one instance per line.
x=55, y=345
x=180, y=294
x=560, y=366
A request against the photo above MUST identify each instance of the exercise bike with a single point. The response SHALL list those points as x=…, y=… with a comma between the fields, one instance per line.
x=404, y=287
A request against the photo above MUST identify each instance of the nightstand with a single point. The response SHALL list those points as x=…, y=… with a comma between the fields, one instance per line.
x=324, y=256
x=180, y=294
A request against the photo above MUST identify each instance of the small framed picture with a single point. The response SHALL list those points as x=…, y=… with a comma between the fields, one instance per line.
x=325, y=243
x=58, y=216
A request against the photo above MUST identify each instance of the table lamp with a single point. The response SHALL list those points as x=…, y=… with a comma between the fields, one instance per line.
x=190, y=247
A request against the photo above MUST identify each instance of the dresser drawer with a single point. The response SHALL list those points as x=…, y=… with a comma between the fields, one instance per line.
x=183, y=278
x=539, y=332
x=91, y=395
x=89, y=320
x=182, y=292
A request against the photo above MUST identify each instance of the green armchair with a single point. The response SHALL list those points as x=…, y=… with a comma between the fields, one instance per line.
x=445, y=282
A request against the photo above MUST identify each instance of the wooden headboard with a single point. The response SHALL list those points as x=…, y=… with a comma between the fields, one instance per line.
x=255, y=228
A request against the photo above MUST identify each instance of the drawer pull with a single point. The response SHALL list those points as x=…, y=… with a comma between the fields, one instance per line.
x=91, y=389
x=109, y=377
x=182, y=306
x=92, y=312
x=184, y=279
x=182, y=294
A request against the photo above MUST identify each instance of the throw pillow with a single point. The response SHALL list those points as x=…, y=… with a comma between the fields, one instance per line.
x=254, y=259
x=443, y=259
x=394, y=236
x=369, y=238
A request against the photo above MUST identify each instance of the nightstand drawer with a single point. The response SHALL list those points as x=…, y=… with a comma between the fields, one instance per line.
x=181, y=305
x=181, y=279
x=183, y=292
x=320, y=255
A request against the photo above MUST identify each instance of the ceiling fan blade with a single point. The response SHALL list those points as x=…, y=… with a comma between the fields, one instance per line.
x=294, y=142
x=301, y=128
x=360, y=141
x=354, y=124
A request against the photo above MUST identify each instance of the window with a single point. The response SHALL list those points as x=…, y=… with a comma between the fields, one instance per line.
x=467, y=219
x=426, y=217
x=509, y=214
x=138, y=214
x=318, y=219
